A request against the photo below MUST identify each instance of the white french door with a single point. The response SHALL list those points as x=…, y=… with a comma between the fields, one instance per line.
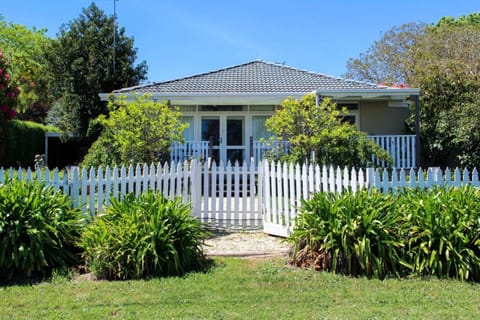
x=226, y=135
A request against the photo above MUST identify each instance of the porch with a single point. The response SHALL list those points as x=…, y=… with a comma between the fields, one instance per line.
x=400, y=147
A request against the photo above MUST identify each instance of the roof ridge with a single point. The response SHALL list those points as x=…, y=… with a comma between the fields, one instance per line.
x=320, y=74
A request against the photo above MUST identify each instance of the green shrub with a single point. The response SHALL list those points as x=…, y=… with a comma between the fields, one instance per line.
x=355, y=232
x=433, y=232
x=143, y=236
x=38, y=229
x=442, y=232
x=25, y=139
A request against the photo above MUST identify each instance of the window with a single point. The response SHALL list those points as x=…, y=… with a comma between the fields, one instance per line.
x=259, y=130
x=353, y=113
x=188, y=133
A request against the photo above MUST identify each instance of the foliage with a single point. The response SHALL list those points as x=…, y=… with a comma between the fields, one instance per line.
x=65, y=114
x=143, y=236
x=25, y=50
x=80, y=65
x=136, y=132
x=432, y=232
x=319, y=128
x=442, y=60
x=25, y=140
x=355, y=231
x=390, y=59
x=442, y=231
x=449, y=131
x=467, y=20
x=8, y=101
x=38, y=229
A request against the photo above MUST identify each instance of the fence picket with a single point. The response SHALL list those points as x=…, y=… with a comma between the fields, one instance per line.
x=244, y=194
x=252, y=192
x=100, y=184
x=236, y=173
x=213, y=196
x=108, y=186
x=92, y=186
x=229, y=192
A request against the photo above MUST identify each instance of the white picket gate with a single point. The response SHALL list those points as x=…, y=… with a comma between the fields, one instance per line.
x=225, y=195
x=286, y=185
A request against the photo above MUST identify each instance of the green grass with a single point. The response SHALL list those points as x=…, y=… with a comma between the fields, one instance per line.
x=244, y=289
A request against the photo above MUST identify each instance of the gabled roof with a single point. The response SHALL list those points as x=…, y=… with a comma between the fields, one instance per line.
x=256, y=77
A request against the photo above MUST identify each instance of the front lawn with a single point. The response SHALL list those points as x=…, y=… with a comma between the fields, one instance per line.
x=244, y=289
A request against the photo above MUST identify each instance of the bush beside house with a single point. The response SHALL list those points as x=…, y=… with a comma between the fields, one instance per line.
x=320, y=130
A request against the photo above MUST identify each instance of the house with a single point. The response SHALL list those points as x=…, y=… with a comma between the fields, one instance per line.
x=227, y=108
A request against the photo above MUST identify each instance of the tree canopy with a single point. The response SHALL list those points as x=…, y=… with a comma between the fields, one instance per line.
x=320, y=129
x=136, y=132
x=24, y=48
x=443, y=60
x=8, y=102
x=80, y=65
x=390, y=59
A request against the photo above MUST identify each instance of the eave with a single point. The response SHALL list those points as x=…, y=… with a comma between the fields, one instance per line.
x=374, y=94
x=211, y=98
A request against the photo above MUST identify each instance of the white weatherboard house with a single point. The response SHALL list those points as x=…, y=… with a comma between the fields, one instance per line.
x=227, y=108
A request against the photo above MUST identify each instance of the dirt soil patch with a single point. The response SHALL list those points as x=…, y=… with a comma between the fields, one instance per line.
x=246, y=244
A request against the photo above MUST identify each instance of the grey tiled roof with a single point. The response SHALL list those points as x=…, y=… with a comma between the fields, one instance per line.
x=256, y=77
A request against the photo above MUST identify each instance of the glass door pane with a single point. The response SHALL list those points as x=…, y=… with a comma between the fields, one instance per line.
x=234, y=132
x=235, y=146
x=211, y=132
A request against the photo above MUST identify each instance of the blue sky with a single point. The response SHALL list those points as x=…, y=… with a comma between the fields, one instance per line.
x=179, y=38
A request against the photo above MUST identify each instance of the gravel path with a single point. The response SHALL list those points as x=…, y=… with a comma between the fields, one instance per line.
x=246, y=244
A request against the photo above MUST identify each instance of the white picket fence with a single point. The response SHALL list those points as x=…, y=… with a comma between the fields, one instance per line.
x=91, y=190
x=400, y=147
x=223, y=196
x=238, y=196
x=188, y=151
x=285, y=186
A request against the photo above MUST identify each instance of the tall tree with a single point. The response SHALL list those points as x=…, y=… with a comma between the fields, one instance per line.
x=443, y=60
x=81, y=66
x=390, y=59
x=452, y=48
x=25, y=50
